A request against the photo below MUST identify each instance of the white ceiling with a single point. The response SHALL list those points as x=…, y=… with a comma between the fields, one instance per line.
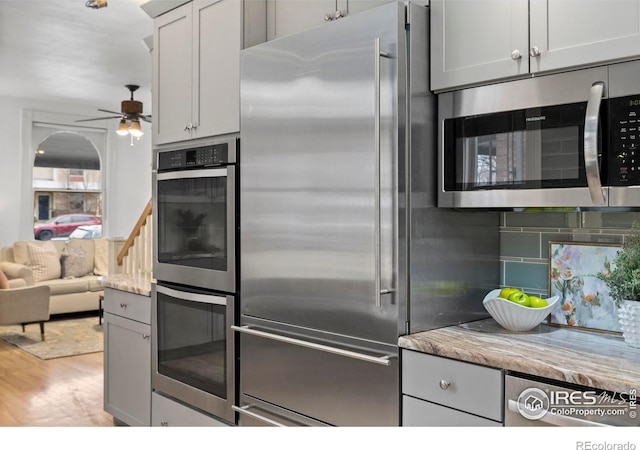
x=63, y=51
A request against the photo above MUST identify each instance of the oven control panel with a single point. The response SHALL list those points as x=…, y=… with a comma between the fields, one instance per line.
x=624, y=154
x=210, y=155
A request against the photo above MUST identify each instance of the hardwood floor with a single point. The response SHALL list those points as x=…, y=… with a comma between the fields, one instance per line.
x=53, y=393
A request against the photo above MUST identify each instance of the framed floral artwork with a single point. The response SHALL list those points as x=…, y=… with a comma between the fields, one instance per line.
x=584, y=300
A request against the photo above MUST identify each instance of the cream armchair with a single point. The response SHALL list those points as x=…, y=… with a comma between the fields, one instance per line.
x=25, y=305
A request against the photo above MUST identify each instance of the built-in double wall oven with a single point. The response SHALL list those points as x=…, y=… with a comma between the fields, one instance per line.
x=195, y=260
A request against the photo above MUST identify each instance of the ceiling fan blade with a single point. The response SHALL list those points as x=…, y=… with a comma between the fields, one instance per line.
x=110, y=112
x=98, y=118
x=146, y=118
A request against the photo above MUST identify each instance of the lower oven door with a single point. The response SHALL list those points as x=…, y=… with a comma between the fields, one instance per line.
x=193, y=348
x=538, y=403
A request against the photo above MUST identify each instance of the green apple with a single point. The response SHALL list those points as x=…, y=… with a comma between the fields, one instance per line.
x=537, y=302
x=506, y=292
x=520, y=298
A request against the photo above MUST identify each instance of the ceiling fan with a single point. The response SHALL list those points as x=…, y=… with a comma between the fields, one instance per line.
x=130, y=115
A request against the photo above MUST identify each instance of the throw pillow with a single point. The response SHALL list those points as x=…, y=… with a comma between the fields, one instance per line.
x=45, y=262
x=72, y=262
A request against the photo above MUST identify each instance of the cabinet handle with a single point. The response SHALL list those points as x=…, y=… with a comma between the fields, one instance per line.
x=145, y=336
x=534, y=52
x=444, y=384
x=328, y=17
x=164, y=423
x=123, y=305
x=194, y=126
x=516, y=55
x=338, y=15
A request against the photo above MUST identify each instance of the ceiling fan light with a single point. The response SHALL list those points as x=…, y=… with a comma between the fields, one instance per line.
x=122, y=128
x=135, y=129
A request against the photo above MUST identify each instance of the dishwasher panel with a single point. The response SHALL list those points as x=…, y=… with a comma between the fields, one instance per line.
x=541, y=402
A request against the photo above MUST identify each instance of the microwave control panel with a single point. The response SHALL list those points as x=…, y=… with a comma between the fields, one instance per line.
x=210, y=155
x=624, y=160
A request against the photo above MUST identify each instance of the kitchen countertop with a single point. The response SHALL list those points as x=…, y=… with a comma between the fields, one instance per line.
x=136, y=284
x=587, y=358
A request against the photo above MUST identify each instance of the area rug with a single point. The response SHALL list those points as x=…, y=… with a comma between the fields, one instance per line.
x=67, y=337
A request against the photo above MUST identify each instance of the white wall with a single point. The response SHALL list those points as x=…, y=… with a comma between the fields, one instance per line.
x=127, y=170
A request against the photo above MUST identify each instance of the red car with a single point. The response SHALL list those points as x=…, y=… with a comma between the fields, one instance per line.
x=62, y=226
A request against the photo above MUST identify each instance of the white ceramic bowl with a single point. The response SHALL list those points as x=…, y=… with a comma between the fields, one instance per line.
x=516, y=317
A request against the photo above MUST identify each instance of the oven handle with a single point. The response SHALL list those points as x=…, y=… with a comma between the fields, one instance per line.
x=382, y=360
x=182, y=174
x=201, y=298
x=591, y=166
x=245, y=410
x=559, y=419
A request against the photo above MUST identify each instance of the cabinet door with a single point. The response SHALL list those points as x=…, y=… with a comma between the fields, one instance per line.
x=127, y=370
x=355, y=6
x=217, y=41
x=571, y=33
x=172, y=69
x=418, y=413
x=168, y=413
x=476, y=41
x=290, y=16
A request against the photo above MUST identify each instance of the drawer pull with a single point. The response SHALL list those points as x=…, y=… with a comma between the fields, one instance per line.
x=123, y=305
x=164, y=423
x=444, y=385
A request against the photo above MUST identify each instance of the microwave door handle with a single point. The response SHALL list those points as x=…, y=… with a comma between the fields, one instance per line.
x=558, y=419
x=591, y=166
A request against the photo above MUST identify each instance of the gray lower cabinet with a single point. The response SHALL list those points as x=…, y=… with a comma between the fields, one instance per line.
x=444, y=392
x=166, y=412
x=127, y=357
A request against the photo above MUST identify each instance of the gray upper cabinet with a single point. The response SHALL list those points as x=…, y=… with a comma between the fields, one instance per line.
x=570, y=33
x=196, y=60
x=286, y=17
x=478, y=41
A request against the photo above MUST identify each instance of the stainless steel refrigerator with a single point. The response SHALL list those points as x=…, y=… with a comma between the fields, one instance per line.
x=342, y=247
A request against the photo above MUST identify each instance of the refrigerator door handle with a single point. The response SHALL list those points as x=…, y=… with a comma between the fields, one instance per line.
x=379, y=290
x=382, y=360
x=245, y=410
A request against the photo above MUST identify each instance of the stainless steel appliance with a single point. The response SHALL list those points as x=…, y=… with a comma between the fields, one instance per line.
x=195, y=211
x=193, y=348
x=343, y=249
x=539, y=402
x=561, y=140
x=195, y=214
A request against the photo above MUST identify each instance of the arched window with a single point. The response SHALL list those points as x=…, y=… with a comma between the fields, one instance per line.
x=66, y=180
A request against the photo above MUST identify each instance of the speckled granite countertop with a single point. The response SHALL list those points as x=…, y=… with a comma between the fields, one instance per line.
x=136, y=284
x=586, y=358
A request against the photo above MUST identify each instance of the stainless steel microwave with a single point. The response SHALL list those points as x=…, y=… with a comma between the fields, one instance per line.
x=563, y=140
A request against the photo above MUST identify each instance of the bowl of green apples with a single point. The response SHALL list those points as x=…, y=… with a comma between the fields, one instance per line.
x=515, y=310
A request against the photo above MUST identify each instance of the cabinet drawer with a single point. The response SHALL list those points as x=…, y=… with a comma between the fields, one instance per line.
x=126, y=304
x=169, y=413
x=420, y=413
x=464, y=386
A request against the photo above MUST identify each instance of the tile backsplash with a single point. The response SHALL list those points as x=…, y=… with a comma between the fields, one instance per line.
x=525, y=237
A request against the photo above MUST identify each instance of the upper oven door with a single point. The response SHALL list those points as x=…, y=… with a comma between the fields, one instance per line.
x=527, y=143
x=195, y=227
